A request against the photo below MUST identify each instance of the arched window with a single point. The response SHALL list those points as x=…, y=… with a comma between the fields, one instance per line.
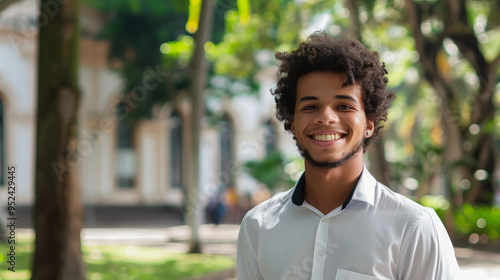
x=126, y=166
x=270, y=137
x=2, y=145
x=176, y=153
x=226, y=148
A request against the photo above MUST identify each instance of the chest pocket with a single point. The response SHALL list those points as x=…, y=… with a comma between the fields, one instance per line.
x=343, y=274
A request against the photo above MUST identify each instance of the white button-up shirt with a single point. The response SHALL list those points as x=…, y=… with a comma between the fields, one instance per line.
x=376, y=234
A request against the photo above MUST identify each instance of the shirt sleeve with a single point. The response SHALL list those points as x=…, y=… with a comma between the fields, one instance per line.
x=428, y=253
x=246, y=257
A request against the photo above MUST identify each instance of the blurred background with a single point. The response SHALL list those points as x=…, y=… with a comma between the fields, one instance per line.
x=138, y=69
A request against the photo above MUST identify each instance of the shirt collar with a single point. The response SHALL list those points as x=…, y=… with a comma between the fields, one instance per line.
x=363, y=191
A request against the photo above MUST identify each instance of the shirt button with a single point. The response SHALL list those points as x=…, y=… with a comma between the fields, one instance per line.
x=320, y=255
x=323, y=221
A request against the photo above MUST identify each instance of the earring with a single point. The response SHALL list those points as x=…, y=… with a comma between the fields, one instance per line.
x=368, y=133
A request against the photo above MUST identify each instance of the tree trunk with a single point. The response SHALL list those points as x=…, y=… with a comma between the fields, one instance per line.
x=197, y=87
x=58, y=211
x=355, y=24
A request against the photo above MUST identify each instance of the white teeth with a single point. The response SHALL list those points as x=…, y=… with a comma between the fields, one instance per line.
x=326, y=137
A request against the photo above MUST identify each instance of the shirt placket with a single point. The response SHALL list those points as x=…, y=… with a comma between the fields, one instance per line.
x=320, y=245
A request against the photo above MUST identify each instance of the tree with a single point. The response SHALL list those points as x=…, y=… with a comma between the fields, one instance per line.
x=136, y=30
x=197, y=87
x=457, y=21
x=58, y=211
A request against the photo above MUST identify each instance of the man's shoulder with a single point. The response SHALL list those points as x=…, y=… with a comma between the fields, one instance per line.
x=391, y=200
x=426, y=251
x=260, y=209
x=408, y=217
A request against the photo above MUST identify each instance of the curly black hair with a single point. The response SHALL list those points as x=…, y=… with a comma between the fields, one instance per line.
x=320, y=52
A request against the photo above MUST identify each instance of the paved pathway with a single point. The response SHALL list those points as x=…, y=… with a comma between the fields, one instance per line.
x=474, y=264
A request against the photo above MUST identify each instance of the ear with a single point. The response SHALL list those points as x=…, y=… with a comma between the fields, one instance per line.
x=370, y=127
x=292, y=127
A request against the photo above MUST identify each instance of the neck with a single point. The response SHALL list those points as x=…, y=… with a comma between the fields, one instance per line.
x=327, y=189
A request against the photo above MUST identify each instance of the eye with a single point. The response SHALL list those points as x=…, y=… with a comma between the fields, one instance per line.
x=345, y=107
x=308, y=108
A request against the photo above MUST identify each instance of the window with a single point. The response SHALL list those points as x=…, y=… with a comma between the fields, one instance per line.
x=176, y=153
x=126, y=158
x=226, y=132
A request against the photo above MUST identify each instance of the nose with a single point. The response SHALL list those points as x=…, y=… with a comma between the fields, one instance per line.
x=326, y=116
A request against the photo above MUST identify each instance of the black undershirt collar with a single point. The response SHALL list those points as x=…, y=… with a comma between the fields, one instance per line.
x=299, y=193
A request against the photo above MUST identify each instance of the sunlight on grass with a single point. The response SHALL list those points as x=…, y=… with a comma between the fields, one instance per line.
x=18, y=275
x=124, y=262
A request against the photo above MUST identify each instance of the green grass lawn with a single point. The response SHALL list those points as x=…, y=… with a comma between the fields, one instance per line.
x=123, y=262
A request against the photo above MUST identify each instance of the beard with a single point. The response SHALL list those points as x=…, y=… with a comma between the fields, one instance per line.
x=330, y=164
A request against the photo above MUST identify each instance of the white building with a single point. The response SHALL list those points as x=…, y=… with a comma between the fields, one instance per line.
x=117, y=164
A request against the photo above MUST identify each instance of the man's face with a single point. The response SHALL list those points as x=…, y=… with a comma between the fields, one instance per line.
x=329, y=122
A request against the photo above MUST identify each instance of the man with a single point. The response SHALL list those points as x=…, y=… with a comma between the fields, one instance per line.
x=338, y=222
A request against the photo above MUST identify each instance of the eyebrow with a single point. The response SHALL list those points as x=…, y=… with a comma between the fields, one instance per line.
x=346, y=97
x=340, y=96
x=306, y=98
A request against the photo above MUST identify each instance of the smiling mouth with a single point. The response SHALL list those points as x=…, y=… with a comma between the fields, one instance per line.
x=326, y=137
